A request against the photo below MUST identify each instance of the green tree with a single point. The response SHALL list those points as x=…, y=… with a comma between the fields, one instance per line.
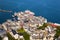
x=57, y=32
x=43, y=26
x=0, y=38
x=25, y=34
x=10, y=37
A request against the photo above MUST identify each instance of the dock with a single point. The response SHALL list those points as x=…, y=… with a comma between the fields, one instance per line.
x=5, y=11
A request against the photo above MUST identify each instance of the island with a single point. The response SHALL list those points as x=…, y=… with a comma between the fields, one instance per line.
x=26, y=26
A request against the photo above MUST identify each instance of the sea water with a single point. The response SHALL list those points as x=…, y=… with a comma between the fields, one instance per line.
x=50, y=9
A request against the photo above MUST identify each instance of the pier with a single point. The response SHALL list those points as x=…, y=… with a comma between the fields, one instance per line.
x=5, y=11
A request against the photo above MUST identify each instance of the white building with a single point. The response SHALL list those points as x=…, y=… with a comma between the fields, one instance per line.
x=5, y=38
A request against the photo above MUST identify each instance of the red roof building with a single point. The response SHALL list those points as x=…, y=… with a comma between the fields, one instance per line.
x=53, y=25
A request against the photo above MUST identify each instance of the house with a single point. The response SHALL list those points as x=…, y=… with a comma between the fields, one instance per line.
x=2, y=32
x=5, y=38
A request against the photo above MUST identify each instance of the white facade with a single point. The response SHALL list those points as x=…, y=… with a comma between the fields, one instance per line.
x=5, y=38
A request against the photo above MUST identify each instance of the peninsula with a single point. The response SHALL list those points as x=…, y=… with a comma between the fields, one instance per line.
x=26, y=26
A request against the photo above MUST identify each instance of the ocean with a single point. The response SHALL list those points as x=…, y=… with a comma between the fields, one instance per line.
x=50, y=9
